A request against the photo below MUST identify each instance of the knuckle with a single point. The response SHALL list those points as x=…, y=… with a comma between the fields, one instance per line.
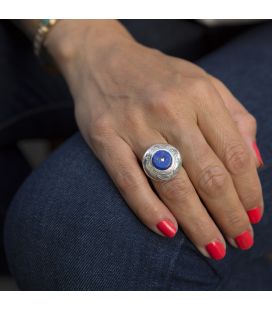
x=201, y=92
x=201, y=88
x=215, y=80
x=126, y=180
x=236, y=220
x=247, y=120
x=237, y=158
x=176, y=189
x=251, y=121
x=213, y=181
x=100, y=134
x=100, y=129
x=161, y=102
x=252, y=199
x=101, y=124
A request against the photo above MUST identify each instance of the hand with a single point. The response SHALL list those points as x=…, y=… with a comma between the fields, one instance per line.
x=128, y=97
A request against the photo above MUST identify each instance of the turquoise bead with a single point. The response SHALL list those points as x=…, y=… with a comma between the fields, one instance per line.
x=45, y=22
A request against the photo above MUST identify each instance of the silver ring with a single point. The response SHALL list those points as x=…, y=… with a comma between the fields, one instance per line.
x=161, y=162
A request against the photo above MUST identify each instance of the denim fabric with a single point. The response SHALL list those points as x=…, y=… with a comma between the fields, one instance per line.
x=14, y=169
x=33, y=104
x=68, y=227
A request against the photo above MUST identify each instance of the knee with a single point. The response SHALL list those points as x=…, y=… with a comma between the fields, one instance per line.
x=63, y=221
x=69, y=228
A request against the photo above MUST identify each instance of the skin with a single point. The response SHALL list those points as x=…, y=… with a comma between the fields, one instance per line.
x=128, y=97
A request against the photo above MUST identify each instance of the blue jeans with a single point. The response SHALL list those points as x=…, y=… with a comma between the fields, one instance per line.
x=68, y=228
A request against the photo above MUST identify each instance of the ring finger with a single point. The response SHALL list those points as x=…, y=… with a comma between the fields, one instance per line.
x=179, y=195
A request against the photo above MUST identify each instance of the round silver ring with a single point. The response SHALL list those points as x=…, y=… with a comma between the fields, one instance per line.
x=161, y=162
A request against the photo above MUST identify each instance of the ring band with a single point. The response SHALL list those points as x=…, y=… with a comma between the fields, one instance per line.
x=161, y=162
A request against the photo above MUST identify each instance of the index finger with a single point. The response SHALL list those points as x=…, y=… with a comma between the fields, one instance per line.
x=123, y=167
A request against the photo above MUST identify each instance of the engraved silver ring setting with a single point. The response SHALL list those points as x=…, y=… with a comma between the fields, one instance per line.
x=161, y=162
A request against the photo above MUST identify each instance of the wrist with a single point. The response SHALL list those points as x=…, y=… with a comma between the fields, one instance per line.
x=67, y=39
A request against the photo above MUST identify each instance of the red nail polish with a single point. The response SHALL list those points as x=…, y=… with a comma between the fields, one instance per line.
x=245, y=240
x=258, y=154
x=254, y=215
x=167, y=227
x=216, y=249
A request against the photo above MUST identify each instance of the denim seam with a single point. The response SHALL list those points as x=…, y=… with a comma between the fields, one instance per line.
x=172, y=265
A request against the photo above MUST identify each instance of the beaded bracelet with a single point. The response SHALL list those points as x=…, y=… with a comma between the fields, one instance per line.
x=43, y=29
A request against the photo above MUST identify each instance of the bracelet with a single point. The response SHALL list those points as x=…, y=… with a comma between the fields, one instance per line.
x=44, y=27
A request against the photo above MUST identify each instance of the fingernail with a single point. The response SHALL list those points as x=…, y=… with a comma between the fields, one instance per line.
x=258, y=154
x=245, y=240
x=216, y=249
x=167, y=227
x=254, y=215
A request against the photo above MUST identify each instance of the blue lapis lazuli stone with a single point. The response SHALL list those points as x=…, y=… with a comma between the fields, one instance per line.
x=162, y=160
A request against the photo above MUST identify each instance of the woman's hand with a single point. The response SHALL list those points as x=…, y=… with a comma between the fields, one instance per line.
x=128, y=97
